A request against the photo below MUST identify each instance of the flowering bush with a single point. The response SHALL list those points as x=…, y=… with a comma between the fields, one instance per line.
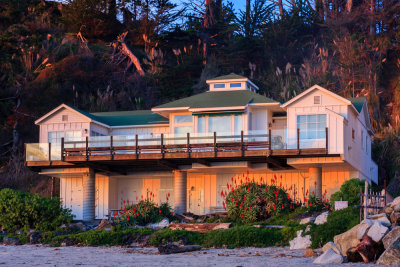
x=142, y=213
x=314, y=203
x=249, y=201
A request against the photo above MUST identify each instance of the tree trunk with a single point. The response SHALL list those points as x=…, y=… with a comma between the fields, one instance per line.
x=372, y=29
x=349, y=6
x=112, y=9
x=247, y=25
x=281, y=10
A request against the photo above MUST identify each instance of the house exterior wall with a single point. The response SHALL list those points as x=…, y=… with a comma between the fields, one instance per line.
x=75, y=122
x=157, y=130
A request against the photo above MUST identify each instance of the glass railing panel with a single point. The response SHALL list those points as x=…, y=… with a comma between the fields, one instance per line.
x=37, y=152
x=124, y=140
x=202, y=138
x=75, y=142
x=256, y=136
x=99, y=141
x=278, y=139
x=175, y=139
x=55, y=151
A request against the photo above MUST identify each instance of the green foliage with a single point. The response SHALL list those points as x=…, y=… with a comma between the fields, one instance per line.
x=167, y=235
x=338, y=222
x=143, y=213
x=21, y=210
x=316, y=204
x=250, y=202
x=349, y=192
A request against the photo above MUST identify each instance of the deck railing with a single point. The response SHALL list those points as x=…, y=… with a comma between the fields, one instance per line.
x=172, y=143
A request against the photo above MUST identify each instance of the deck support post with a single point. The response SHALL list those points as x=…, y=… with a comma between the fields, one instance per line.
x=88, y=196
x=316, y=181
x=180, y=184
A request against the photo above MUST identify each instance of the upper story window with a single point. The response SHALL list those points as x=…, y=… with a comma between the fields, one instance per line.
x=219, y=85
x=64, y=117
x=55, y=137
x=232, y=124
x=317, y=100
x=182, y=118
x=312, y=126
x=235, y=85
x=94, y=133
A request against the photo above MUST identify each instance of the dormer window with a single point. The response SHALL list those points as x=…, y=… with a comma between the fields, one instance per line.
x=235, y=85
x=219, y=85
x=317, y=100
x=64, y=117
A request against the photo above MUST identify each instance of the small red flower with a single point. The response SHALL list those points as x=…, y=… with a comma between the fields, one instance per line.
x=159, y=210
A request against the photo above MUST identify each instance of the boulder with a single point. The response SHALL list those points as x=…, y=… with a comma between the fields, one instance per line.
x=300, y=242
x=388, y=210
x=307, y=220
x=377, y=231
x=395, y=218
x=348, y=239
x=11, y=241
x=34, y=237
x=160, y=225
x=322, y=218
x=329, y=257
x=396, y=208
x=391, y=256
x=369, y=250
x=308, y=229
x=395, y=202
x=331, y=245
x=362, y=229
x=310, y=253
x=391, y=237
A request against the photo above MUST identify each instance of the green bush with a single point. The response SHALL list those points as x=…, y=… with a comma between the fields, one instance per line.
x=143, y=213
x=316, y=204
x=250, y=202
x=349, y=192
x=338, y=222
x=167, y=235
x=21, y=210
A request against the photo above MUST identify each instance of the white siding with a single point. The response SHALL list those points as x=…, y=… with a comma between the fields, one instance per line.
x=71, y=194
x=140, y=130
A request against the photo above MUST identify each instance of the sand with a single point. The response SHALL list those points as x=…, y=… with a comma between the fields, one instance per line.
x=31, y=255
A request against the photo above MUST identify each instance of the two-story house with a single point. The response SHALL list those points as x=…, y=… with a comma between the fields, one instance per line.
x=186, y=151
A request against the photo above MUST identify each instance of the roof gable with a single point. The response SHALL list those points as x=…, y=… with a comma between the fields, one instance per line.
x=127, y=118
x=310, y=90
x=59, y=108
x=358, y=102
x=230, y=76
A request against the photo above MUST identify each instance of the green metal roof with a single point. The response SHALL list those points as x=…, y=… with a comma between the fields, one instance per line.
x=231, y=76
x=358, y=102
x=126, y=118
x=214, y=99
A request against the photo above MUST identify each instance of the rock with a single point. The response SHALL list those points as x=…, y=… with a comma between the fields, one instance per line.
x=391, y=237
x=224, y=226
x=331, y=245
x=74, y=227
x=11, y=241
x=353, y=255
x=395, y=218
x=348, y=239
x=35, y=237
x=388, y=210
x=377, y=231
x=362, y=229
x=395, y=202
x=300, y=242
x=175, y=248
x=310, y=253
x=385, y=221
x=160, y=225
x=322, y=218
x=329, y=257
x=369, y=250
x=368, y=221
x=396, y=208
x=391, y=256
x=307, y=220
x=376, y=216
x=104, y=224
x=382, y=217
x=308, y=229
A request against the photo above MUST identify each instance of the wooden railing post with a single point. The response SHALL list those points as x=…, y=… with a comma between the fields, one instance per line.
x=242, y=142
x=112, y=147
x=87, y=148
x=162, y=145
x=270, y=140
x=326, y=140
x=49, y=152
x=62, y=149
x=188, y=144
x=215, y=144
x=137, y=146
x=298, y=139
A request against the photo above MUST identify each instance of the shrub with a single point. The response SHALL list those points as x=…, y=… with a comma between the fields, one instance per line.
x=349, y=192
x=316, y=204
x=338, y=222
x=167, y=235
x=250, y=202
x=21, y=210
x=143, y=213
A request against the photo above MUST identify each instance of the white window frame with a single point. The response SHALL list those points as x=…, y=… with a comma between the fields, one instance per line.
x=311, y=114
x=232, y=123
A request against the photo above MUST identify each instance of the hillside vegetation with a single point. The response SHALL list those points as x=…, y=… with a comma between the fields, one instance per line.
x=109, y=55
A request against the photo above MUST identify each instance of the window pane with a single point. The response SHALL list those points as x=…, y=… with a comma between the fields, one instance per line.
x=238, y=121
x=301, y=119
x=201, y=124
x=182, y=118
x=312, y=118
x=235, y=85
x=312, y=126
x=183, y=130
x=219, y=85
x=219, y=124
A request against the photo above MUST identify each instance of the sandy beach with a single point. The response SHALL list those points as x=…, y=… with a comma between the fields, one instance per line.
x=31, y=255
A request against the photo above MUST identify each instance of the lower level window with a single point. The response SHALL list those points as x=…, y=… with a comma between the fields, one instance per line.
x=312, y=126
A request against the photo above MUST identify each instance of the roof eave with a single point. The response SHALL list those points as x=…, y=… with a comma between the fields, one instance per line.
x=217, y=108
x=227, y=80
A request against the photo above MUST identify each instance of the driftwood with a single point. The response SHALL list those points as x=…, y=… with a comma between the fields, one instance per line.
x=121, y=52
x=199, y=227
x=174, y=248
